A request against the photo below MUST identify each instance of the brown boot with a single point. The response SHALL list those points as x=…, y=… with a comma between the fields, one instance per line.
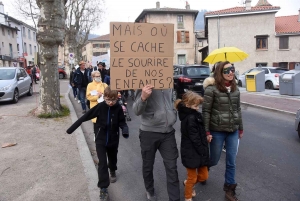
x=230, y=192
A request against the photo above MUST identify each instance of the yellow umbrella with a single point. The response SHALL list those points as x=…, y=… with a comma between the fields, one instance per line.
x=231, y=54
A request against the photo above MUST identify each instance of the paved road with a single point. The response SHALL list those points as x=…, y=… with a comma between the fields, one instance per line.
x=267, y=164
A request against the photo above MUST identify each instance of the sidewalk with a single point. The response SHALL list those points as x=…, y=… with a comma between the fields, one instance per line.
x=271, y=100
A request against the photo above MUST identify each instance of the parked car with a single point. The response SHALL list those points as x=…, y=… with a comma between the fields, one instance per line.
x=297, y=122
x=14, y=82
x=61, y=74
x=189, y=77
x=271, y=76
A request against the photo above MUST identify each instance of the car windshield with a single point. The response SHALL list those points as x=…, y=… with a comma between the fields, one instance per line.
x=278, y=70
x=7, y=74
x=197, y=71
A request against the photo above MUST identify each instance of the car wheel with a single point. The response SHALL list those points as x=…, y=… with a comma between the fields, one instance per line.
x=299, y=130
x=175, y=95
x=269, y=85
x=240, y=83
x=16, y=96
x=61, y=76
x=30, y=92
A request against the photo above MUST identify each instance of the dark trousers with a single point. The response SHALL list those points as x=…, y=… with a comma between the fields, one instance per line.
x=105, y=153
x=166, y=144
x=82, y=97
x=34, y=77
x=74, y=91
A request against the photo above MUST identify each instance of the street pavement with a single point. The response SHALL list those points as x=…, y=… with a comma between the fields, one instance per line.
x=48, y=164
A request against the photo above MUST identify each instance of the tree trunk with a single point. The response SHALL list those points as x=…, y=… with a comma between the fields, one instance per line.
x=50, y=35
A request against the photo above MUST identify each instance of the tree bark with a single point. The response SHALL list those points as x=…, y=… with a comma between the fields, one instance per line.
x=51, y=30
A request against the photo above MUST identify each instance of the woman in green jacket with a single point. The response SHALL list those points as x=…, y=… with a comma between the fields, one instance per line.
x=223, y=120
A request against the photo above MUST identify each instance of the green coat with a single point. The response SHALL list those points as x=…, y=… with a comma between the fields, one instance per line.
x=221, y=111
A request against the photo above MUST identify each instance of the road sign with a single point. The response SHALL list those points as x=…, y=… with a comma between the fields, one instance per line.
x=71, y=55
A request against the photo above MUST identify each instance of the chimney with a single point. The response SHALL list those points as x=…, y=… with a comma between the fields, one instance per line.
x=157, y=4
x=187, y=6
x=248, y=4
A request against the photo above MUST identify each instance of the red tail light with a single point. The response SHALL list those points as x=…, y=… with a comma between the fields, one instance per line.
x=276, y=75
x=184, y=79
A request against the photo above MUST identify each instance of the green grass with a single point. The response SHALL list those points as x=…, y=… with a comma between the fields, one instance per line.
x=62, y=113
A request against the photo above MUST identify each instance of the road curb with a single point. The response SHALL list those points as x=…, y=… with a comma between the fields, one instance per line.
x=268, y=108
x=85, y=155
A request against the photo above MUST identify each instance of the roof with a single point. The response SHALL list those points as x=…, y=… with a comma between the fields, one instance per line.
x=263, y=3
x=243, y=10
x=101, y=38
x=165, y=10
x=9, y=27
x=287, y=24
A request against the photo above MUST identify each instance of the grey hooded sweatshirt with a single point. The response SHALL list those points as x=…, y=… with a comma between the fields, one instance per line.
x=157, y=112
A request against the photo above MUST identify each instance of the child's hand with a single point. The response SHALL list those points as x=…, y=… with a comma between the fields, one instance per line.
x=209, y=138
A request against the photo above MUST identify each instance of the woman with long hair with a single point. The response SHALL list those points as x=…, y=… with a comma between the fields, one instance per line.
x=223, y=121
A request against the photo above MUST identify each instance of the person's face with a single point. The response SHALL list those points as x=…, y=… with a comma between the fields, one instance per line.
x=110, y=102
x=82, y=66
x=228, y=72
x=100, y=66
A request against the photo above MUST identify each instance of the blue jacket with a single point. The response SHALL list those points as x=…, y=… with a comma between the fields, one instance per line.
x=107, y=79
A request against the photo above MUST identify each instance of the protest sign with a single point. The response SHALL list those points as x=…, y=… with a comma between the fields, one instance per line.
x=141, y=54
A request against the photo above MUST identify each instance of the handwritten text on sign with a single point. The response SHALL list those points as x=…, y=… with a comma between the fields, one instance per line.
x=141, y=54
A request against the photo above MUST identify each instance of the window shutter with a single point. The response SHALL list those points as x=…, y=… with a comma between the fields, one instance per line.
x=178, y=37
x=187, y=37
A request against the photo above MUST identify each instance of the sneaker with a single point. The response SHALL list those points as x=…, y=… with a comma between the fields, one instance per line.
x=113, y=177
x=150, y=197
x=224, y=149
x=75, y=98
x=103, y=194
x=78, y=101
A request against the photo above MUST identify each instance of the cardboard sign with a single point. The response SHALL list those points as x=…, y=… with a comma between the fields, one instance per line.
x=141, y=54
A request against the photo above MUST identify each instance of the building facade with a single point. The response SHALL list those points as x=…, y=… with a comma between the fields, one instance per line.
x=254, y=30
x=96, y=47
x=185, y=45
x=18, y=46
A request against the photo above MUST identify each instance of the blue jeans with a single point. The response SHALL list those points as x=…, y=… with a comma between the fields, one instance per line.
x=231, y=141
x=81, y=97
x=74, y=91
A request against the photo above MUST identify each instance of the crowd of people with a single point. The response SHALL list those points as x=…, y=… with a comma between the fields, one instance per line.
x=202, y=133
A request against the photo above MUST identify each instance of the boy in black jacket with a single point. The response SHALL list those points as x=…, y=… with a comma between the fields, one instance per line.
x=110, y=118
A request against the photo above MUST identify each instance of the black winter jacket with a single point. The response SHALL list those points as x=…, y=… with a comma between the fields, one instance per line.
x=194, y=146
x=81, y=79
x=109, y=120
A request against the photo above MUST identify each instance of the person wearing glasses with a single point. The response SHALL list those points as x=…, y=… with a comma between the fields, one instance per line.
x=110, y=118
x=223, y=121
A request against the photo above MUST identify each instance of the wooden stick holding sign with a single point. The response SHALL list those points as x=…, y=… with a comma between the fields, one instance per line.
x=141, y=54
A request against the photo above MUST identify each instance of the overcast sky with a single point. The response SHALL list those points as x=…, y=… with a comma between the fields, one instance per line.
x=129, y=10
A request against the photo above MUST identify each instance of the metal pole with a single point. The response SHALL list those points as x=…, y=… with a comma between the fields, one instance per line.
x=218, y=31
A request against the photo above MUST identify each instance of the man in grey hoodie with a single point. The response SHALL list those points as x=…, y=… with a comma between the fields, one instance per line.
x=157, y=133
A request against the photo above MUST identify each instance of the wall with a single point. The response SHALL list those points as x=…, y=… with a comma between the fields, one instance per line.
x=179, y=48
x=5, y=40
x=239, y=31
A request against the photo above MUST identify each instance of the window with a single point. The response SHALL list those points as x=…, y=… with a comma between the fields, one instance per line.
x=99, y=53
x=30, y=49
x=8, y=32
x=24, y=33
x=261, y=64
x=180, y=24
x=3, y=31
x=33, y=36
x=34, y=49
x=262, y=43
x=283, y=65
x=29, y=36
x=10, y=50
x=96, y=45
x=181, y=59
x=283, y=42
x=23, y=73
x=183, y=37
x=107, y=45
x=2, y=44
x=13, y=34
x=18, y=47
x=25, y=48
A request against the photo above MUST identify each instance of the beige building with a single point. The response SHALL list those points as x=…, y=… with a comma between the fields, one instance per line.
x=269, y=41
x=96, y=47
x=185, y=49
